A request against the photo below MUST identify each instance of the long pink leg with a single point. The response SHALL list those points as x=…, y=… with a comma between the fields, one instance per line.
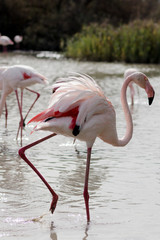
x=38, y=95
x=5, y=49
x=20, y=111
x=22, y=155
x=85, y=193
x=6, y=114
x=21, y=122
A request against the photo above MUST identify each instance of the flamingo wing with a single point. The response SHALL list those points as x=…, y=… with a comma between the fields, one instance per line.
x=78, y=97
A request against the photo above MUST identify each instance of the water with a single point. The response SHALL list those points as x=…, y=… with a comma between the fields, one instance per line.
x=124, y=183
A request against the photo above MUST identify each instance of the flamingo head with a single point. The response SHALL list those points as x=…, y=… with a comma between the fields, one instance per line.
x=142, y=81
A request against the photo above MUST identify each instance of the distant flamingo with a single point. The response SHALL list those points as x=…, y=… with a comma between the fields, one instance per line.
x=17, y=40
x=128, y=72
x=14, y=77
x=5, y=41
x=79, y=109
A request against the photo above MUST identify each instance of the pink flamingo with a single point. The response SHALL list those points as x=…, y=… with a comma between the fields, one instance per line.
x=5, y=41
x=79, y=109
x=22, y=77
x=128, y=72
x=17, y=40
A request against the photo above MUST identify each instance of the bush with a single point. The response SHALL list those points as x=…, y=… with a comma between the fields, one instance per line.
x=93, y=43
x=137, y=42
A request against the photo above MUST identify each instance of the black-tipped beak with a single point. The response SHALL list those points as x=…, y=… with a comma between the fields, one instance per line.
x=150, y=99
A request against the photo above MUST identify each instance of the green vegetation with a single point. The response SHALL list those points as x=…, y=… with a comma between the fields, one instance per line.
x=137, y=42
x=93, y=43
x=99, y=30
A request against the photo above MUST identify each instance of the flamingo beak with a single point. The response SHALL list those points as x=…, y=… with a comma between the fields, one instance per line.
x=150, y=99
x=150, y=92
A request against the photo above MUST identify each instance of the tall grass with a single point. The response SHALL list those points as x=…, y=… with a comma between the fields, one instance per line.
x=138, y=42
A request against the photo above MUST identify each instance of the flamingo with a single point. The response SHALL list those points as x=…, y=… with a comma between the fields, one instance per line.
x=14, y=77
x=79, y=109
x=5, y=41
x=18, y=39
x=132, y=91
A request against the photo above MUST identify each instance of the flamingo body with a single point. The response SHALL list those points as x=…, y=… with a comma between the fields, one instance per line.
x=18, y=38
x=84, y=129
x=4, y=41
x=18, y=76
x=78, y=108
x=89, y=110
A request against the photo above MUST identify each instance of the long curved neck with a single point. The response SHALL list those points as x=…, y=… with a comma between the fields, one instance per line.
x=2, y=103
x=128, y=117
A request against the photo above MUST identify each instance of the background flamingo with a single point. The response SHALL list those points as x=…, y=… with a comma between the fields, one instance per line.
x=17, y=40
x=14, y=77
x=5, y=41
x=128, y=72
x=79, y=109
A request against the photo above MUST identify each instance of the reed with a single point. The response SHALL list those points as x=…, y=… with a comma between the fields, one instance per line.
x=137, y=42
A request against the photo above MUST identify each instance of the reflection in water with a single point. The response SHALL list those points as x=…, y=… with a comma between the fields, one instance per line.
x=72, y=181
x=11, y=175
x=53, y=234
x=86, y=232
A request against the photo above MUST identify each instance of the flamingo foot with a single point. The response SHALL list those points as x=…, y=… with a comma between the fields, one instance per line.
x=53, y=203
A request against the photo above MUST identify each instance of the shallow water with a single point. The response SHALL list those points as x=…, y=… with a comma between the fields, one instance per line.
x=124, y=183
